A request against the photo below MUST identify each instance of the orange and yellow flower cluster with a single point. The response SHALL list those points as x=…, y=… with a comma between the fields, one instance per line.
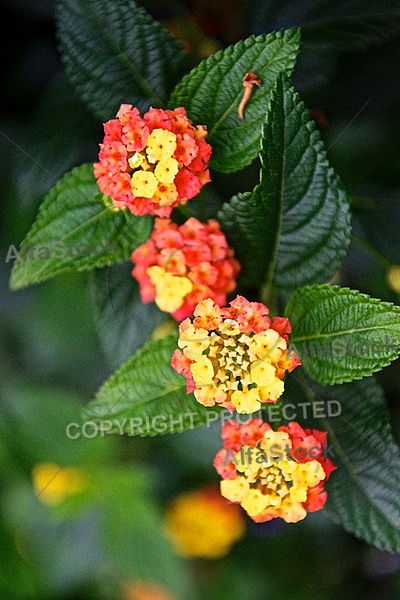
x=154, y=163
x=234, y=356
x=274, y=473
x=201, y=524
x=180, y=265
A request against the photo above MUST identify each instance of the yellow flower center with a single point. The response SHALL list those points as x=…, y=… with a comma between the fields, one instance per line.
x=154, y=168
x=239, y=364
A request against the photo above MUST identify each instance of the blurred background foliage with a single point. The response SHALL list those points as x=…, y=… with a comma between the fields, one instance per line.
x=108, y=541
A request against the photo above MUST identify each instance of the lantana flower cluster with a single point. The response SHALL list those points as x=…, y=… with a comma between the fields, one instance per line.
x=151, y=164
x=234, y=356
x=201, y=524
x=274, y=473
x=180, y=265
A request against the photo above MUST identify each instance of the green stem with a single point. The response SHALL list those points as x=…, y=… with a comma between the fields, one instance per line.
x=370, y=249
x=269, y=297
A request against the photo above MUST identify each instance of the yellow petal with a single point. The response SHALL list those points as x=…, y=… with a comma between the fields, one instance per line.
x=246, y=401
x=161, y=144
x=236, y=489
x=255, y=502
x=144, y=184
x=193, y=341
x=202, y=371
x=267, y=345
x=138, y=160
x=262, y=372
x=166, y=170
x=272, y=391
x=170, y=289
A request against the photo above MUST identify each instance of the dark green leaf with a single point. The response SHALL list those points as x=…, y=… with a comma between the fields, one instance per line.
x=74, y=215
x=146, y=396
x=124, y=322
x=341, y=334
x=115, y=53
x=364, y=492
x=293, y=229
x=252, y=220
x=212, y=91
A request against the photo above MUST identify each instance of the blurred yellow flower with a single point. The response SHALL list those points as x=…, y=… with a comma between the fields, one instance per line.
x=393, y=278
x=52, y=483
x=202, y=524
x=168, y=326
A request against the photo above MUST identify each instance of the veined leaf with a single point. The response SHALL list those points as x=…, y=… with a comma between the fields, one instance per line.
x=252, y=220
x=123, y=321
x=146, y=397
x=341, y=334
x=364, y=492
x=115, y=53
x=294, y=227
x=74, y=230
x=212, y=91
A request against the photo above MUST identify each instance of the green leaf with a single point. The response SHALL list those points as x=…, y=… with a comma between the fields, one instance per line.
x=146, y=397
x=123, y=321
x=212, y=91
x=71, y=215
x=294, y=228
x=114, y=53
x=364, y=492
x=341, y=334
x=252, y=220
